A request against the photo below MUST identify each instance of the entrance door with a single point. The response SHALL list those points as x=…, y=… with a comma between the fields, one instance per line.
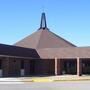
x=86, y=66
x=69, y=67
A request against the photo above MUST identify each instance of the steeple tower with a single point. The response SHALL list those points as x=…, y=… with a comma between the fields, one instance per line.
x=44, y=38
x=43, y=24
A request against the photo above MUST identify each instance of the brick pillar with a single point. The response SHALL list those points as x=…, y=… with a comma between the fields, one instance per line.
x=57, y=66
x=79, y=67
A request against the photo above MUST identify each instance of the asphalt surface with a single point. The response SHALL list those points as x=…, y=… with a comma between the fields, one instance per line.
x=68, y=85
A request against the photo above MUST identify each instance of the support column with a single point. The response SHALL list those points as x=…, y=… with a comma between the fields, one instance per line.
x=79, y=67
x=57, y=66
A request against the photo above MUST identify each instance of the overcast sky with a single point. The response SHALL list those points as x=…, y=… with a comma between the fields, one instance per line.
x=69, y=19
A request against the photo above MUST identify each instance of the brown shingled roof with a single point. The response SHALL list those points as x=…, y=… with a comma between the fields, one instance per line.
x=43, y=38
x=70, y=52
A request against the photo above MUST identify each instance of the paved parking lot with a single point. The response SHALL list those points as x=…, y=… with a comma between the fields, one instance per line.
x=67, y=85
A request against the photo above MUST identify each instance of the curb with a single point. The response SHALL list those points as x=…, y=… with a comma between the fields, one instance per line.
x=50, y=80
x=39, y=80
x=27, y=80
x=73, y=80
x=47, y=80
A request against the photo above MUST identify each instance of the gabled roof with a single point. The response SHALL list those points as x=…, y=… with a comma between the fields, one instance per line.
x=43, y=38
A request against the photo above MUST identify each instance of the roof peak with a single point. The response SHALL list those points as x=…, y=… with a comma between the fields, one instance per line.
x=43, y=24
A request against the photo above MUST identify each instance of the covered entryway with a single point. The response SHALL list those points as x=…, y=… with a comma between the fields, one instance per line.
x=69, y=66
x=86, y=66
x=65, y=66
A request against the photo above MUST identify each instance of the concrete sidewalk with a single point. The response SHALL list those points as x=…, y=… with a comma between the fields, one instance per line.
x=11, y=81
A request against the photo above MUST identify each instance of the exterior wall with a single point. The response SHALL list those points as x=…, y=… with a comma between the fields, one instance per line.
x=85, y=66
x=44, y=67
x=29, y=67
x=14, y=67
x=40, y=67
x=5, y=67
x=51, y=67
x=11, y=67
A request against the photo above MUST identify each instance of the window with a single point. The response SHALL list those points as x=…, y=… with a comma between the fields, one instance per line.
x=0, y=64
x=22, y=64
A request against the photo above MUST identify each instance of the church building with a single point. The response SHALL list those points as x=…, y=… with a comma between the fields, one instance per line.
x=43, y=53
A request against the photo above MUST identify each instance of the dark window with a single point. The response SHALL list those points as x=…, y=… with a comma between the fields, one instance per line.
x=32, y=67
x=22, y=64
x=0, y=64
x=14, y=61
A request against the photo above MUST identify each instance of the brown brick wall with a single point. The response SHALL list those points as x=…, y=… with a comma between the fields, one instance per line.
x=44, y=67
x=11, y=67
x=5, y=66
